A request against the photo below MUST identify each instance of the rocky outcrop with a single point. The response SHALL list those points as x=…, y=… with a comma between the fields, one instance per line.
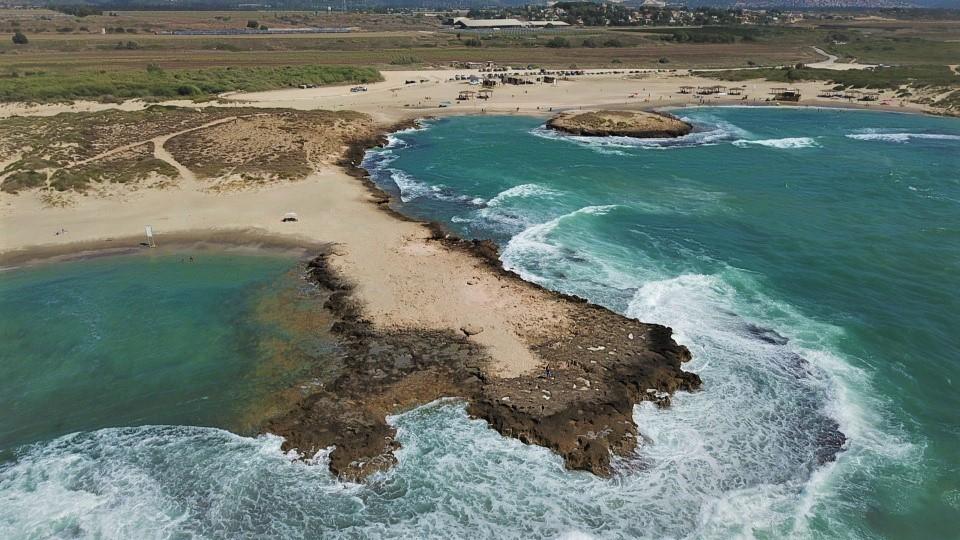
x=620, y=123
x=580, y=405
x=596, y=365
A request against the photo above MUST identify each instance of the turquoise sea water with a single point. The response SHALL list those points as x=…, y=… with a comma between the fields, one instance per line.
x=131, y=340
x=809, y=259
x=837, y=230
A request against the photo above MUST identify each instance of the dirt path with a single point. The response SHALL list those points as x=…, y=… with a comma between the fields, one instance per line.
x=831, y=62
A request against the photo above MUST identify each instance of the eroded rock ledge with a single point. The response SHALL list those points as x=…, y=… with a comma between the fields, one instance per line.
x=639, y=124
x=581, y=407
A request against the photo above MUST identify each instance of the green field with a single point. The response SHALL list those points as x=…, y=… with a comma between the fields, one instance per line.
x=126, y=56
x=157, y=83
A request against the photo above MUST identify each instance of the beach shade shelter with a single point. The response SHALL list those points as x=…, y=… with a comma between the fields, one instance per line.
x=466, y=95
x=290, y=216
x=735, y=91
x=687, y=89
x=785, y=94
x=513, y=79
x=718, y=89
x=486, y=93
x=870, y=95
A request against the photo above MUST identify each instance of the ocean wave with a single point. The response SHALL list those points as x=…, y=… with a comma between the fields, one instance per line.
x=791, y=392
x=532, y=244
x=395, y=140
x=899, y=137
x=507, y=212
x=173, y=481
x=522, y=191
x=785, y=143
x=412, y=188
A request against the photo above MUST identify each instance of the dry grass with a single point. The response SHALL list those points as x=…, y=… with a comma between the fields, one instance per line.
x=267, y=147
x=77, y=152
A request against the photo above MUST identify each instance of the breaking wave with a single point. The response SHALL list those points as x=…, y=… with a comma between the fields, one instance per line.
x=410, y=188
x=521, y=191
x=789, y=142
x=799, y=424
x=531, y=250
x=898, y=137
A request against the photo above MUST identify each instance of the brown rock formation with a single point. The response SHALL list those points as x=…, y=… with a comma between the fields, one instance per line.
x=580, y=406
x=620, y=123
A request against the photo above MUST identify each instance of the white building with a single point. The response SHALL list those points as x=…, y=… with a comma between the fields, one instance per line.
x=477, y=24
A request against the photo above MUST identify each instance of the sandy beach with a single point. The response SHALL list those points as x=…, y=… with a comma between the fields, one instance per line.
x=395, y=99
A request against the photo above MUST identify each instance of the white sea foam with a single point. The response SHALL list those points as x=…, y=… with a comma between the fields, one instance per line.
x=785, y=143
x=532, y=244
x=522, y=191
x=410, y=188
x=394, y=140
x=779, y=389
x=874, y=134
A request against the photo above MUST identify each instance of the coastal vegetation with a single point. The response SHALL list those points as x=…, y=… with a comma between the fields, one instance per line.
x=880, y=77
x=158, y=83
x=74, y=152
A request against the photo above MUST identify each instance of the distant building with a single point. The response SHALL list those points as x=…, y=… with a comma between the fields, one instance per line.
x=479, y=24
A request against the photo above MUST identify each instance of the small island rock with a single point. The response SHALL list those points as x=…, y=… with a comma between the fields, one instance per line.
x=638, y=124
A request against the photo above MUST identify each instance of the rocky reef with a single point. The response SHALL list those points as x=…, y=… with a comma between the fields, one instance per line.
x=579, y=405
x=638, y=124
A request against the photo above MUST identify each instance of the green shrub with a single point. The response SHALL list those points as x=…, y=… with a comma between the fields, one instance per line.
x=473, y=42
x=22, y=180
x=67, y=180
x=612, y=43
x=19, y=38
x=558, y=43
x=405, y=60
x=188, y=90
x=155, y=82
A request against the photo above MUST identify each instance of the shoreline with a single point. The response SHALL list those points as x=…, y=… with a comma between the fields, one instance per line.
x=393, y=100
x=240, y=240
